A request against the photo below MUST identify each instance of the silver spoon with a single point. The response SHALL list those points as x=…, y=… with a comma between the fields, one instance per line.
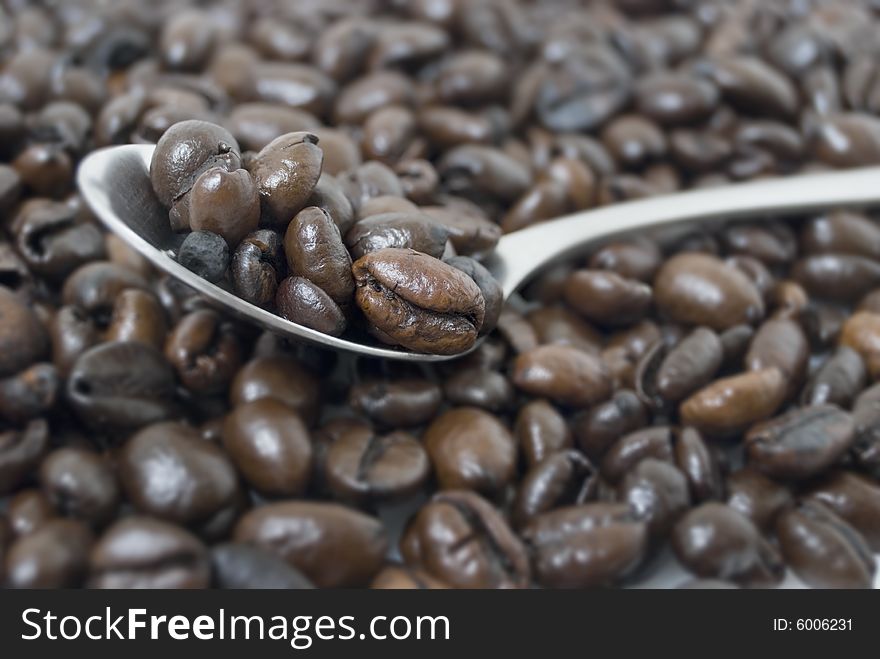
x=115, y=182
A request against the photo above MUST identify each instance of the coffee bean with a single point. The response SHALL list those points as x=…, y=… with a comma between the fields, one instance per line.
x=541, y=431
x=822, y=549
x=23, y=338
x=461, y=539
x=31, y=393
x=314, y=251
x=860, y=333
x=757, y=497
x=282, y=378
x=80, y=484
x=257, y=266
x=838, y=381
x=657, y=493
x=224, y=203
x=332, y=545
x=629, y=450
x=599, y=427
x=27, y=511
x=204, y=253
x=286, y=171
x=672, y=98
x=698, y=464
x=607, y=298
x=241, y=566
x=563, y=374
x=204, y=351
x=410, y=230
x=54, y=556
x=138, y=316
x=142, y=552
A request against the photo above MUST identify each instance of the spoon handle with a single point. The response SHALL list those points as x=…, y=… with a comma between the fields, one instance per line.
x=520, y=254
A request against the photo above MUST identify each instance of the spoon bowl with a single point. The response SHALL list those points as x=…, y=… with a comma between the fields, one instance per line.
x=115, y=182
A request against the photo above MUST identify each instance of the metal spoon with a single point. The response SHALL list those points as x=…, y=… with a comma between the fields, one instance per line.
x=115, y=182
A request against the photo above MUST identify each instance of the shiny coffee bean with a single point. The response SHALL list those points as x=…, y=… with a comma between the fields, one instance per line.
x=241, y=566
x=563, y=374
x=687, y=367
x=841, y=232
x=402, y=402
x=143, y=552
x=80, y=484
x=558, y=325
x=598, y=428
x=493, y=295
x=757, y=497
x=333, y=546
x=286, y=172
x=837, y=277
x=56, y=555
x=715, y=541
x=866, y=415
x=471, y=449
x=698, y=464
x=204, y=351
x=314, y=250
x=607, y=298
x=838, y=381
x=270, y=446
x=780, y=343
x=629, y=450
x=27, y=511
x=256, y=267
x=94, y=287
x=23, y=338
x=585, y=546
x=657, y=493
x=854, y=498
x=224, y=203
x=861, y=332
x=479, y=387
x=419, y=302
x=461, y=539
x=369, y=468
x=31, y=393
x=562, y=478
x=541, y=431
x=672, y=98
x=138, y=316
x=282, y=378
x=823, y=549
x=20, y=452
x=301, y=301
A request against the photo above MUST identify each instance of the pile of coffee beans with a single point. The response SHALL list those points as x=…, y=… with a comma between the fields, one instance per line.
x=716, y=394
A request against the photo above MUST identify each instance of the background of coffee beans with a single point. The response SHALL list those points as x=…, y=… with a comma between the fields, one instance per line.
x=713, y=398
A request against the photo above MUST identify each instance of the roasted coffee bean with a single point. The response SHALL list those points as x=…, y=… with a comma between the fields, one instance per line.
x=120, y=386
x=469, y=234
x=562, y=478
x=841, y=232
x=398, y=577
x=224, y=203
x=754, y=86
x=31, y=393
x=558, y=325
x=23, y=338
x=471, y=449
x=543, y=201
x=541, y=431
x=699, y=289
x=861, y=332
x=256, y=267
x=419, y=302
x=758, y=273
x=854, y=498
x=563, y=374
x=204, y=351
x=20, y=452
x=866, y=415
x=241, y=566
x=657, y=493
x=72, y=332
x=27, y=511
x=607, y=298
x=94, y=287
x=699, y=466
x=838, y=381
x=837, y=277
x=715, y=541
x=286, y=172
x=80, y=484
x=734, y=343
x=369, y=468
x=168, y=471
x=780, y=343
x=633, y=140
x=282, y=378
x=757, y=497
x=493, y=295
x=801, y=443
x=301, y=301
x=771, y=246
x=629, y=450
x=635, y=260
x=823, y=549
x=400, y=402
x=848, y=140
x=138, y=316
x=673, y=98
x=142, y=552
x=206, y=254
x=478, y=171
x=687, y=367
x=479, y=387
x=314, y=251
x=585, y=546
x=598, y=428
x=461, y=539
x=332, y=545
x=254, y=125
x=731, y=404
x=56, y=555
x=270, y=446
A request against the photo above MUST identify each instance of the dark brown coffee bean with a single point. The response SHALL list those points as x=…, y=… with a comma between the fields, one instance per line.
x=540, y=431
x=369, y=468
x=771, y=246
x=303, y=302
x=461, y=539
x=226, y=203
x=607, y=298
x=657, y=493
x=585, y=546
x=687, y=367
x=256, y=267
x=838, y=277
x=241, y=566
x=332, y=545
x=715, y=541
x=23, y=338
x=419, y=302
x=142, y=552
x=364, y=95
x=838, y=381
x=470, y=234
x=396, y=577
x=28, y=510
x=94, y=287
x=754, y=86
x=493, y=295
x=543, y=201
x=31, y=393
x=563, y=478
x=848, y=140
x=254, y=125
x=563, y=374
x=72, y=332
x=314, y=251
x=780, y=343
x=756, y=496
x=866, y=414
x=55, y=555
x=629, y=450
x=801, y=443
x=402, y=402
x=204, y=351
x=471, y=449
x=634, y=140
x=330, y=195
x=734, y=343
x=186, y=40
x=823, y=549
x=341, y=50
x=20, y=452
x=286, y=172
x=138, y=316
x=168, y=471
x=474, y=170
x=597, y=429
x=861, y=332
x=557, y=325
x=388, y=133
x=270, y=446
x=80, y=484
x=697, y=289
x=729, y=405
x=293, y=85
x=121, y=386
x=479, y=387
x=674, y=98
x=280, y=377
x=635, y=260
x=403, y=230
